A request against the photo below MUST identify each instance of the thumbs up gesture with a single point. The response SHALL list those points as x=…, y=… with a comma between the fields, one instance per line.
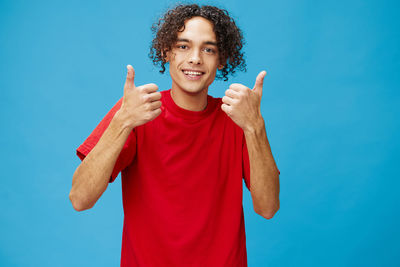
x=242, y=104
x=140, y=104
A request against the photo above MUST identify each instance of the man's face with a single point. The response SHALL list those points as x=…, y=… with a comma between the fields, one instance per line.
x=194, y=58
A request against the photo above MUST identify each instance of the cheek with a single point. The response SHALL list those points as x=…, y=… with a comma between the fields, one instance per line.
x=213, y=70
x=214, y=65
x=179, y=56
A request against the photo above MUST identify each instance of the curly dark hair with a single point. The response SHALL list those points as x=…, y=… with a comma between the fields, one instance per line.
x=229, y=37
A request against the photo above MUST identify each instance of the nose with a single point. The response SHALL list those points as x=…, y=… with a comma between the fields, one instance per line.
x=194, y=57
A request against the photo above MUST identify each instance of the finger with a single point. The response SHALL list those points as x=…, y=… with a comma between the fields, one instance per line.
x=258, y=86
x=148, y=88
x=227, y=100
x=155, y=105
x=155, y=113
x=227, y=109
x=231, y=93
x=237, y=87
x=130, y=77
x=154, y=96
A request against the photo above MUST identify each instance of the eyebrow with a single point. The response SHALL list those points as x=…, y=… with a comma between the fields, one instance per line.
x=187, y=41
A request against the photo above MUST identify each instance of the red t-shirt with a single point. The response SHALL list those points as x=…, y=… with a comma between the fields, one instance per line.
x=181, y=187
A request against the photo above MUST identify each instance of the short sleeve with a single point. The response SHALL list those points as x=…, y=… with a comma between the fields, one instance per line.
x=127, y=153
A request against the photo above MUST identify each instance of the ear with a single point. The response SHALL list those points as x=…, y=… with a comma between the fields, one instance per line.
x=222, y=65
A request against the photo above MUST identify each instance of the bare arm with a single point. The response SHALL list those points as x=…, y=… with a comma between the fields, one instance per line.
x=91, y=178
x=139, y=105
x=242, y=105
x=264, y=174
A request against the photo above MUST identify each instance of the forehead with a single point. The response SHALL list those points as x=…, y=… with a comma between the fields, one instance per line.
x=198, y=29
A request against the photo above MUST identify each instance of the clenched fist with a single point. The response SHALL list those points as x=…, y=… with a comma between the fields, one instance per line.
x=242, y=104
x=139, y=104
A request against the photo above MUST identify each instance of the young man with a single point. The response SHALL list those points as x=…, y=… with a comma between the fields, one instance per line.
x=183, y=153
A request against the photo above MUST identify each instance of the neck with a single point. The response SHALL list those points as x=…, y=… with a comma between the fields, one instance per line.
x=190, y=101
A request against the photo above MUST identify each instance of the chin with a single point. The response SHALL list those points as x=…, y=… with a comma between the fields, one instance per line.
x=193, y=89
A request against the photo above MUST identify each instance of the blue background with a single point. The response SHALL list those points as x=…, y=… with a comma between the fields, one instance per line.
x=330, y=103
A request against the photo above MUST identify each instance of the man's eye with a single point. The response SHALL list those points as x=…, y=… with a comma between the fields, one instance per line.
x=209, y=50
x=182, y=46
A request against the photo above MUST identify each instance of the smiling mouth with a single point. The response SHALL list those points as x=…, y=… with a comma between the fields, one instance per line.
x=192, y=72
x=193, y=75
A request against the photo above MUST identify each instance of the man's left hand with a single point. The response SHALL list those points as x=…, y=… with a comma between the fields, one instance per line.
x=242, y=104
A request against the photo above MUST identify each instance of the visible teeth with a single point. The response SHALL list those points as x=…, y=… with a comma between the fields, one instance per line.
x=192, y=72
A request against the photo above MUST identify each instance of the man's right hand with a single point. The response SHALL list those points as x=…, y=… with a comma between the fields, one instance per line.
x=140, y=104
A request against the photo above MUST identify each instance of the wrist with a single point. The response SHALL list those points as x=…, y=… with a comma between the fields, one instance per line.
x=257, y=126
x=123, y=121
